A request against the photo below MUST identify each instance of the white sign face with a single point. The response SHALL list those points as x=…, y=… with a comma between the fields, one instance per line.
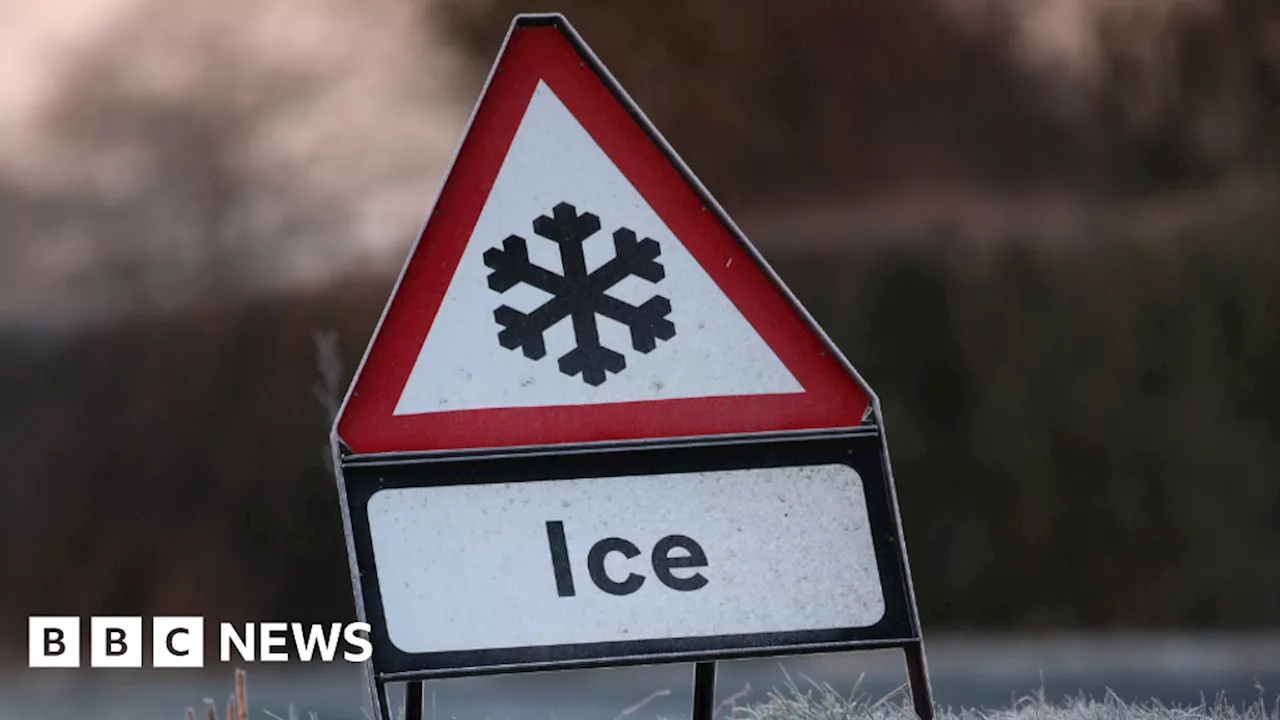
x=710, y=350
x=502, y=565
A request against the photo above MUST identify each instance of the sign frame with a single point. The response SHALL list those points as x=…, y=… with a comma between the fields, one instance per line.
x=889, y=541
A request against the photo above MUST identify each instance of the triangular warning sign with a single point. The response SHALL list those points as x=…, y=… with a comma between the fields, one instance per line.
x=575, y=283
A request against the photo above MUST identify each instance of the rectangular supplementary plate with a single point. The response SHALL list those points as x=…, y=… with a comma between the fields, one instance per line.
x=581, y=557
x=610, y=559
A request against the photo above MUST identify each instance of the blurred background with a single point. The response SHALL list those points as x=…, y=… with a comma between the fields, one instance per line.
x=1046, y=231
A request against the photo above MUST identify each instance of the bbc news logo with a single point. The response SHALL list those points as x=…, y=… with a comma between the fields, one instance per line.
x=178, y=642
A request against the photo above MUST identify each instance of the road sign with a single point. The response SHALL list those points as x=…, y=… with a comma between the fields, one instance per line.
x=594, y=428
x=573, y=284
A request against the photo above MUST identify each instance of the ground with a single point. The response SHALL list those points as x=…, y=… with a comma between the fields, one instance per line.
x=807, y=700
x=804, y=699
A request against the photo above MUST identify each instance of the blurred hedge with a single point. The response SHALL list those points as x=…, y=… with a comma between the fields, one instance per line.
x=1084, y=435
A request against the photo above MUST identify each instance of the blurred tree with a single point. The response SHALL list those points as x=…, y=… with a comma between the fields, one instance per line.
x=1189, y=91
x=173, y=206
x=188, y=151
x=781, y=101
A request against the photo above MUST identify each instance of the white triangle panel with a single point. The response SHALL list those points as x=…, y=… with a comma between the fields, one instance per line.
x=713, y=351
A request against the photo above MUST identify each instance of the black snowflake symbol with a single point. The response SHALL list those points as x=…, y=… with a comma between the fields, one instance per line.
x=579, y=294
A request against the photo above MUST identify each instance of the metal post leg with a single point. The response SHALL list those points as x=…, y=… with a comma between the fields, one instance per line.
x=413, y=700
x=918, y=675
x=704, y=691
x=381, y=706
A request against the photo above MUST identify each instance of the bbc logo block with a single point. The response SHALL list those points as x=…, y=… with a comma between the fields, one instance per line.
x=53, y=642
x=177, y=642
x=116, y=642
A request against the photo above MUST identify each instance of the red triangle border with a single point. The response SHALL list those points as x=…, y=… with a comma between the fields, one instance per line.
x=832, y=399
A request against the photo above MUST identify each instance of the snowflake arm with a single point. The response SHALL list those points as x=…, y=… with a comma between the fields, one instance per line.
x=566, y=226
x=590, y=358
x=527, y=330
x=648, y=323
x=632, y=257
x=511, y=267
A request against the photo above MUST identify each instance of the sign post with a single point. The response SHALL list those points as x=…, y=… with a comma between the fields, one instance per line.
x=593, y=428
x=704, y=691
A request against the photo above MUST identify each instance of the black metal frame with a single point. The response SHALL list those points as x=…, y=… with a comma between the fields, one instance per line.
x=862, y=450
x=887, y=535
